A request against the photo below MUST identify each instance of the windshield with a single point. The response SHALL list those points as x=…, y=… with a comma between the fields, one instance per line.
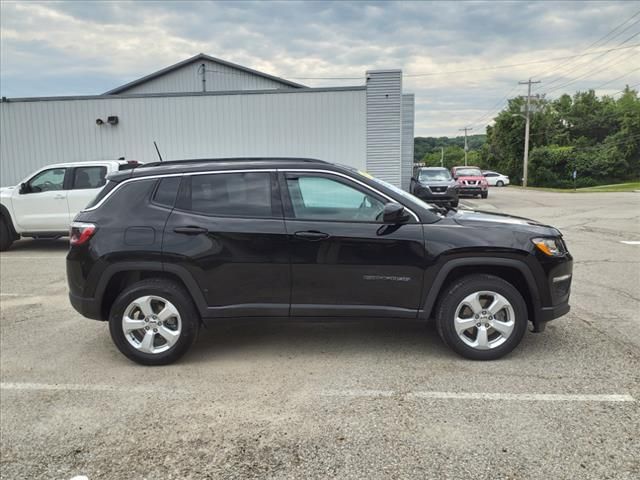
x=468, y=172
x=434, y=175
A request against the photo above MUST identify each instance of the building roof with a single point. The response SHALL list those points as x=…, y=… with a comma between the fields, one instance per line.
x=196, y=58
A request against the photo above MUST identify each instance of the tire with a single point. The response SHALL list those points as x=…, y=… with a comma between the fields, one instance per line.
x=454, y=313
x=455, y=203
x=181, y=317
x=6, y=238
x=484, y=194
x=499, y=183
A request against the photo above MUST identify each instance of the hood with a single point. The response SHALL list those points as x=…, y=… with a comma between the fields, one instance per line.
x=437, y=183
x=6, y=191
x=501, y=220
x=471, y=177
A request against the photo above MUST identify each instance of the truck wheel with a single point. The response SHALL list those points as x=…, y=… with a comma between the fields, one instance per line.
x=481, y=317
x=484, y=194
x=6, y=239
x=154, y=322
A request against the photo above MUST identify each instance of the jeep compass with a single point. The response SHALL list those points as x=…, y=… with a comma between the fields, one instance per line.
x=168, y=247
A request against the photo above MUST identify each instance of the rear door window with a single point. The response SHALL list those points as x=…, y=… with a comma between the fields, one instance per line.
x=246, y=194
x=89, y=177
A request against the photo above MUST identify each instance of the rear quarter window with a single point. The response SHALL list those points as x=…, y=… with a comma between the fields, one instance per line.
x=101, y=194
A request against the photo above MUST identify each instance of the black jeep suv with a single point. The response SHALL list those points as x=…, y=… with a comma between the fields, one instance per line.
x=167, y=247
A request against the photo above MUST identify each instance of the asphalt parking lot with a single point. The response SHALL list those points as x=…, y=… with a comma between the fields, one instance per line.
x=363, y=399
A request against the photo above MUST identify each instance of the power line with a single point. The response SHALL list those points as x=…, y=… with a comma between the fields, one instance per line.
x=589, y=73
x=494, y=67
x=561, y=79
x=602, y=40
x=615, y=79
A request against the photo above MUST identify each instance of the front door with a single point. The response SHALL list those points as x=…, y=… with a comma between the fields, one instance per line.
x=344, y=260
x=228, y=231
x=41, y=206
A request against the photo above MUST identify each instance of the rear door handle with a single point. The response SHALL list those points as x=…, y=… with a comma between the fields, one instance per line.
x=311, y=235
x=191, y=230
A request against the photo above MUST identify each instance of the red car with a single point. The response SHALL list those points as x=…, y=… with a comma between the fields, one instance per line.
x=470, y=181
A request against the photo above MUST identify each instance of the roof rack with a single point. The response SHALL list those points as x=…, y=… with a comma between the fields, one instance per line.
x=232, y=159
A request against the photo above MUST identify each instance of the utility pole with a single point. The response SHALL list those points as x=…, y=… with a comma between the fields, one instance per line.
x=442, y=156
x=525, y=167
x=465, y=142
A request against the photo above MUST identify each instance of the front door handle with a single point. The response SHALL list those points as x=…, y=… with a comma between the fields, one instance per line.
x=190, y=230
x=59, y=197
x=311, y=235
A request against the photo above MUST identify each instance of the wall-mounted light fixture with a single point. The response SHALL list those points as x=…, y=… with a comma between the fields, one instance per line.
x=112, y=120
x=99, y=121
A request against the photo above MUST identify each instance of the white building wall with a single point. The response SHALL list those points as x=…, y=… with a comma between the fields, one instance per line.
x=408, y=119
x=384, y=125
x=219, y=77
x=326, y=124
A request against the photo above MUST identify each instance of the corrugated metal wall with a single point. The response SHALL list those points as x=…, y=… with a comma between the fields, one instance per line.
x=329, y=124
x=384, y=125
x=408, y=120
x=218, y=78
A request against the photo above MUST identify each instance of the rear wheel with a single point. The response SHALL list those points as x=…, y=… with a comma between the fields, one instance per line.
x=6, y=239
x=154, y=322
x=499, y=183
x=481, y=317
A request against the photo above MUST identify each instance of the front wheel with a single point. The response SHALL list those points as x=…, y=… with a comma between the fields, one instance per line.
x=154, y=322
x=481, y=317
x=455, y=203
x=484, y=194
x=6, y=239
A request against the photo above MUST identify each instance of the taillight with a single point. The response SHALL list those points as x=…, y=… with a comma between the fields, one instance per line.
x=80, y=233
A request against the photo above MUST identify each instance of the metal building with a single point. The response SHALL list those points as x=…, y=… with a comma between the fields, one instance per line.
x=205, y=107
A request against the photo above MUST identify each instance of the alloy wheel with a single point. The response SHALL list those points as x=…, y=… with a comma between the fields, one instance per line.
x=484, y=320
x=151, y=324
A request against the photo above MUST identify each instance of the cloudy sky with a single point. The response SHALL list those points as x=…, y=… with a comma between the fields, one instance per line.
x=448, y=51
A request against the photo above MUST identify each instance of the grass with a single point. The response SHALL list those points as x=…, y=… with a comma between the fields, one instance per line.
x=619, y=187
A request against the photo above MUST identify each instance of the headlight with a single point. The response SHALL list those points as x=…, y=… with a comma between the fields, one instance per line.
x=551, y=247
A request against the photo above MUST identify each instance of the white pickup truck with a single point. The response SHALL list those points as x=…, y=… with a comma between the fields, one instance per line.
x=45, y=203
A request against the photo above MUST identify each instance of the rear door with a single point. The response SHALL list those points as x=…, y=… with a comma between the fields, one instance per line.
x=227, y=230
x=85, y=183
x=42, y=205
x=344, y=260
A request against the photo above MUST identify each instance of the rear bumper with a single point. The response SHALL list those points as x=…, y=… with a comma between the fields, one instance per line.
x=87, y=307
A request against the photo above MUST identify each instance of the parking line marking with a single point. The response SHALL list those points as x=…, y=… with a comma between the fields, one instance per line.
x=357, y=393
x=13, y=257
x=76, y=387
x=16, y=294
x=630, y=242
x=526, y=397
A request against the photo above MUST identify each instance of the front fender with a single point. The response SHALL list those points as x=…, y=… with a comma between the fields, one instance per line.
x=435, y=287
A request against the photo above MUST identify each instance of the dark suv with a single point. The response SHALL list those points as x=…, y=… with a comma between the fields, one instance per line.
x=167, y=247
x=436, y=185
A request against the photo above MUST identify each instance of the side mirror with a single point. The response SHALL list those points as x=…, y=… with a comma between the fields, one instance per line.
x=24, y=188
x=394, y=213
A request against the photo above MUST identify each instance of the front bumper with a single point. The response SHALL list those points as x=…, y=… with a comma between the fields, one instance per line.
x=472, y=190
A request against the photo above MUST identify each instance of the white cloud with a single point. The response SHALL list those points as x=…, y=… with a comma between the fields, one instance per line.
x=90, y=47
